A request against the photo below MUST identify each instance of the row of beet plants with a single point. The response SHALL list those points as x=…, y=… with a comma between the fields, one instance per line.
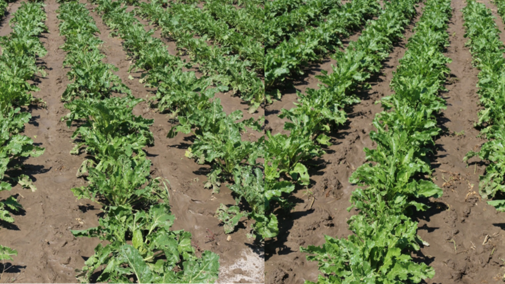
x=241, y=3
x=18, y=65
x=218, y=136
x=320, y=110
x=248, y=20
x=218, y=31
x=280, y=7
x=139, y=243
x=392, y=183
x=282, y=26
x=487, y=51
x=290, y=56
x=3, y=8
x=234, y=60
x=285, y=155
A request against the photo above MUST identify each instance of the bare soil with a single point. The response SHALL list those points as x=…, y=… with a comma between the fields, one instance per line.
x=465, y=234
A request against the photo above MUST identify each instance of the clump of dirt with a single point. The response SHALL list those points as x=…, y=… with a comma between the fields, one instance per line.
x=248, y=268
x=330, y=187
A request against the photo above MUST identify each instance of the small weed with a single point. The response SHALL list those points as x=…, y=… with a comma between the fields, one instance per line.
x=454, y=242
x=461, y=133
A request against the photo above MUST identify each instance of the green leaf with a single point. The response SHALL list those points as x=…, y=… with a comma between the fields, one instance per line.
x=230, y=216
x=26, y=182
x=204, y=270
x=133, y=258
x=137, y=239
x=300, y=173
x=6, y=253
x=498, y=204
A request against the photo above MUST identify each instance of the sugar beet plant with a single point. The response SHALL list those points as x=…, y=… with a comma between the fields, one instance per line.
x=290, y=56
x=218, y=31
x=319, y=110
x=140, y=244
x=487, y=52
x=218, y=139
x=218, y=136
x=281, y=26
x=20, y=50
x=384, y=236
x=282, y=160
x=248, y=20
x=3, y=7
x=232, y=62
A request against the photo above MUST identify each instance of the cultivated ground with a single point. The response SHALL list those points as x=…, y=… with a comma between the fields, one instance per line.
x=47, y=251
x=465, y=234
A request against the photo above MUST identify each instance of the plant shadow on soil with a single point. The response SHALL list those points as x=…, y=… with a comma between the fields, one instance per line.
x=3, y=21
x=8, y=267
x=27, y=169
x=499, y=225
x=87, y=207
x=188, y=141
x=11, y=226
x=286, y=222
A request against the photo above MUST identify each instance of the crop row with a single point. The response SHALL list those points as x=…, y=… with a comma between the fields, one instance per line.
x=280, y=7
x=487, y=52
x=228, y=70
x=201, y=22
x=20, y=51
x=137, y=219
x=392, y=189
x=248, y=21
x=284, y=155
x=3, y=8
x=283, y=26
x=218, y=136
x=292, y=55
x=318, y=111
x=252, y=6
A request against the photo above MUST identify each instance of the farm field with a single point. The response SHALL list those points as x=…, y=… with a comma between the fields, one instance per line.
x=247, y=141
x=464, y=233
